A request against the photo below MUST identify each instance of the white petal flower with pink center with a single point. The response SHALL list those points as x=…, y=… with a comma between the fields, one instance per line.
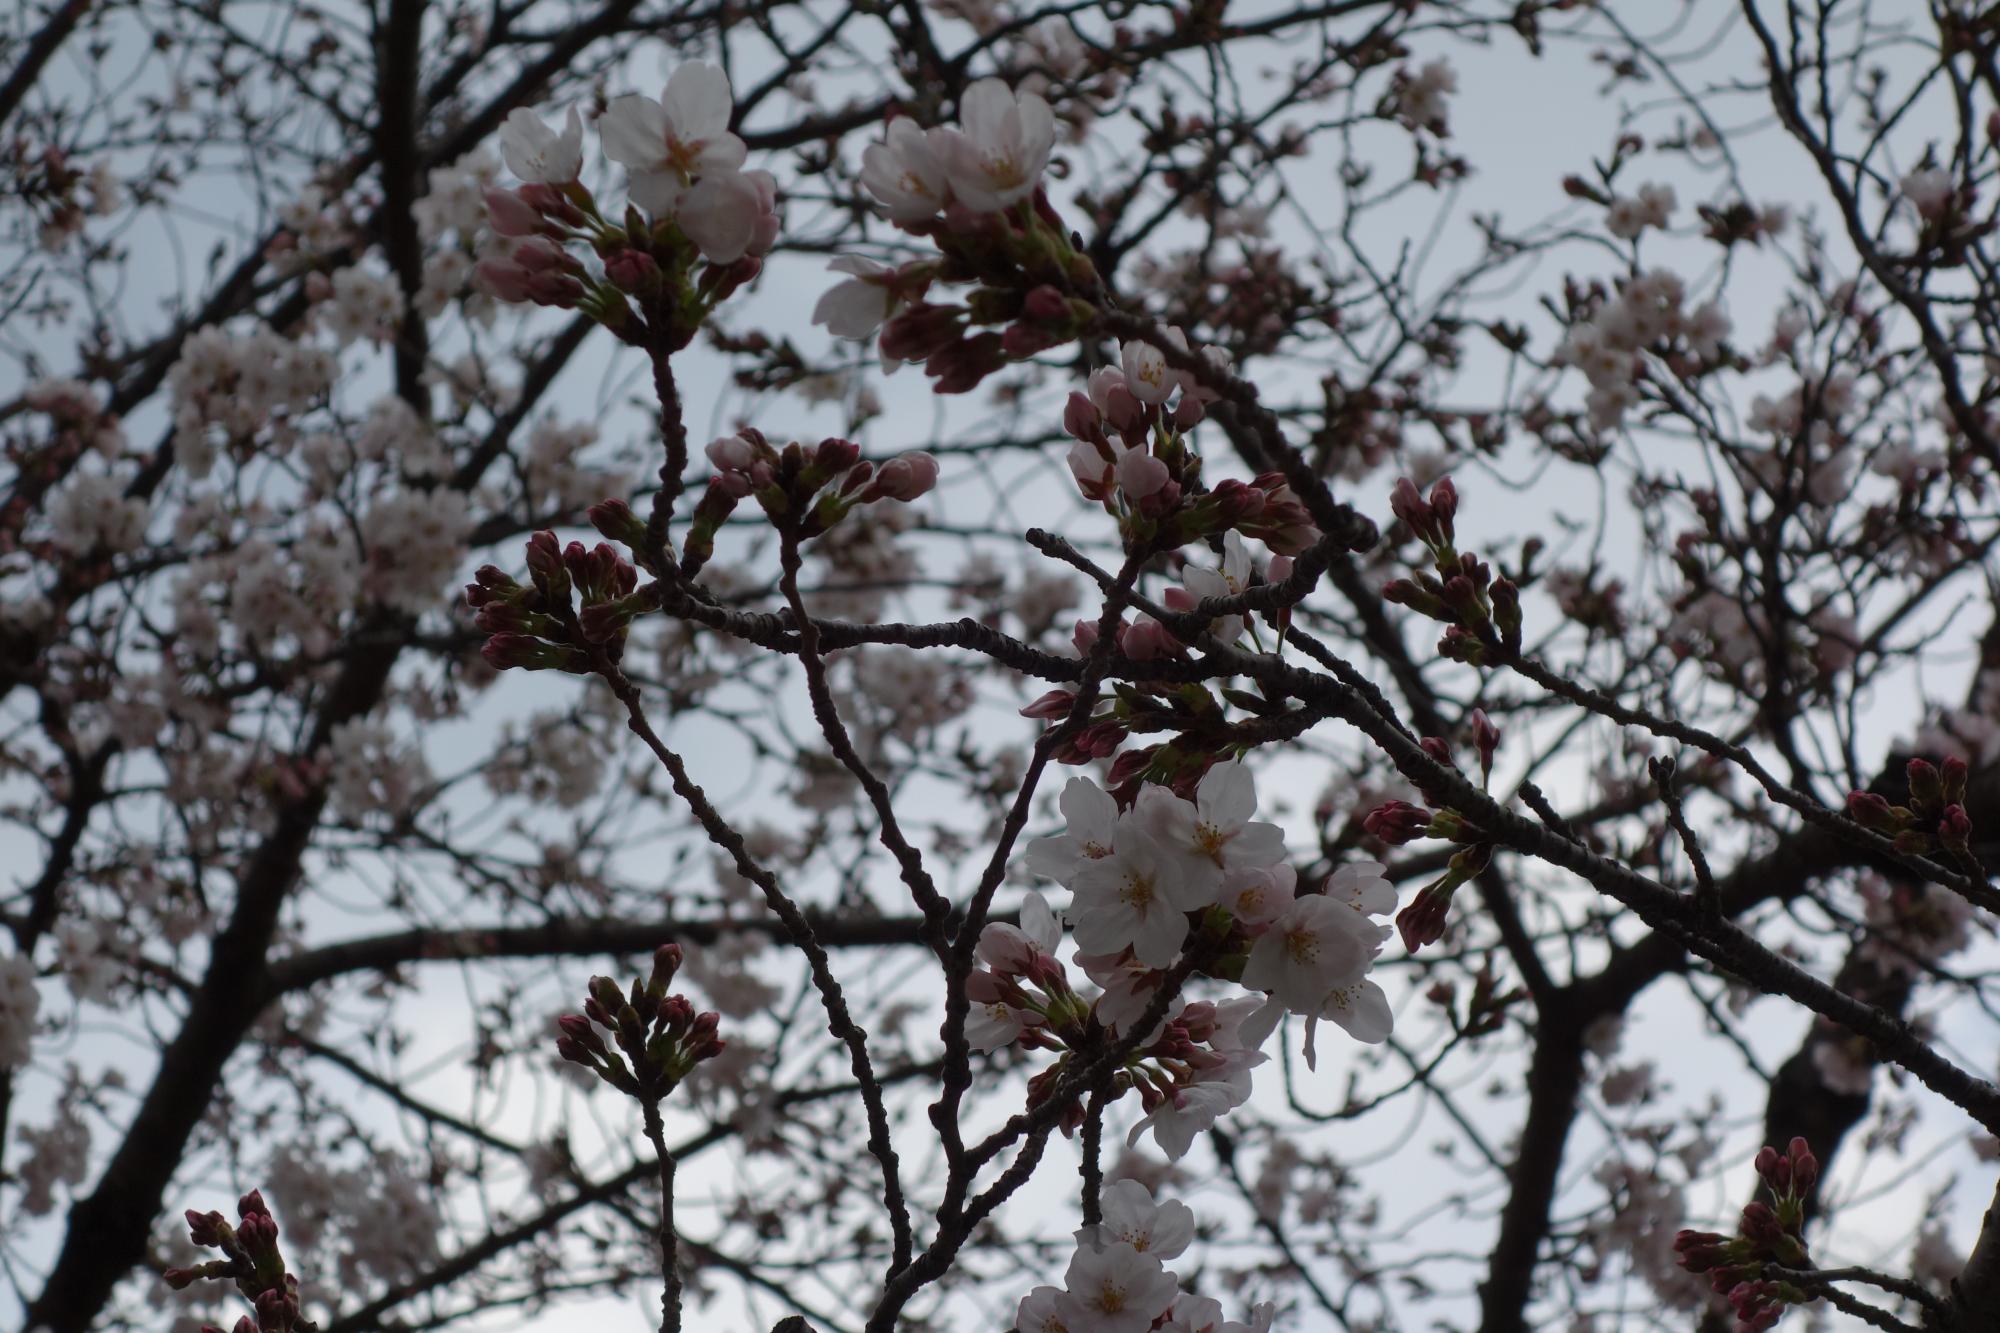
x=1128, y=988
x=857, y=307
x=1258, y=895
x=1308, y=951
x=1010, y=949
x=1147, y=375
x=731, y=215
x=536, y=153
x=1194, y=1314
x=1194, y=1108
x=1119, y=1289
x=991, y=1022
x=669, y=144
x=1215, y=832
x=1132, y=898
x=904, y=174
x=1360, y=1008
x=1229, y=581
x=1140, y=474
x=1092, y=816
x=1048, y=1310
x=1361, y=886
x=996, y=156
x=1162, y=1230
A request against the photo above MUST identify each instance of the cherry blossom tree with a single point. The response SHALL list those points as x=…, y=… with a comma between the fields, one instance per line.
x=979, y=664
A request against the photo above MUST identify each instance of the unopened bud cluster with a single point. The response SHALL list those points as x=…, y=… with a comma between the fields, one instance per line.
x=1934, y=817
x=1132, y=455
x=1768, y=1234
x=1481, y=613
x=659, y=1037
x=1398, y=822
x=251, y=1260
x=579, y=601
x=804, y=491
x=1029, y=292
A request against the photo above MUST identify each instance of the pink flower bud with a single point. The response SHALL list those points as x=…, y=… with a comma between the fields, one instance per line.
x=539, y=254
x=1952, y=775
x=1444, y=505
x=633, y=272
x=1408, y=505
x=1046, y=304
x=1081, y=419
x=1146, y=639
x=837, y=455
x=922, y=331
x=502, y=279
x=1423, y=921
x=1396, y=822
x=1871, y=810
x=732, y=453
x=1485, y=738
x=509, y=214
x=1055, y=704
x=904, y=477
x=1130, y=765
x=554, y=289
x=1140, y=474
x=1955, y=828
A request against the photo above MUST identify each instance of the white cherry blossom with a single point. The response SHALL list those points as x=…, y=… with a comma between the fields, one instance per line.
x=1128, y=988
x=668, y=144
x=1147, y=375
x=1310, y=949
x=1009, y=949
x=1117, y=1289
x=731, y=214
x=538, y=154
x=1258, y=895
x=1228, y=581
x=1361, y=886
x=1135, y=898
x=1213, y=833
x=857, y=307
x=1130, y=1214
x=1047, y=1310
x=997, y=154
x=1195, y=1107
x=1092, y=816
x=1360, y=1008
x=991, y=1022
x=904, y=173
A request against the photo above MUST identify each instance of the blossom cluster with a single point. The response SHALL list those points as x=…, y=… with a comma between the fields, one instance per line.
x=241, y=389
x=690, y=199
x=1118, y=1281
x=1648, y=313
x=974, y=189
x=1169, y=881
